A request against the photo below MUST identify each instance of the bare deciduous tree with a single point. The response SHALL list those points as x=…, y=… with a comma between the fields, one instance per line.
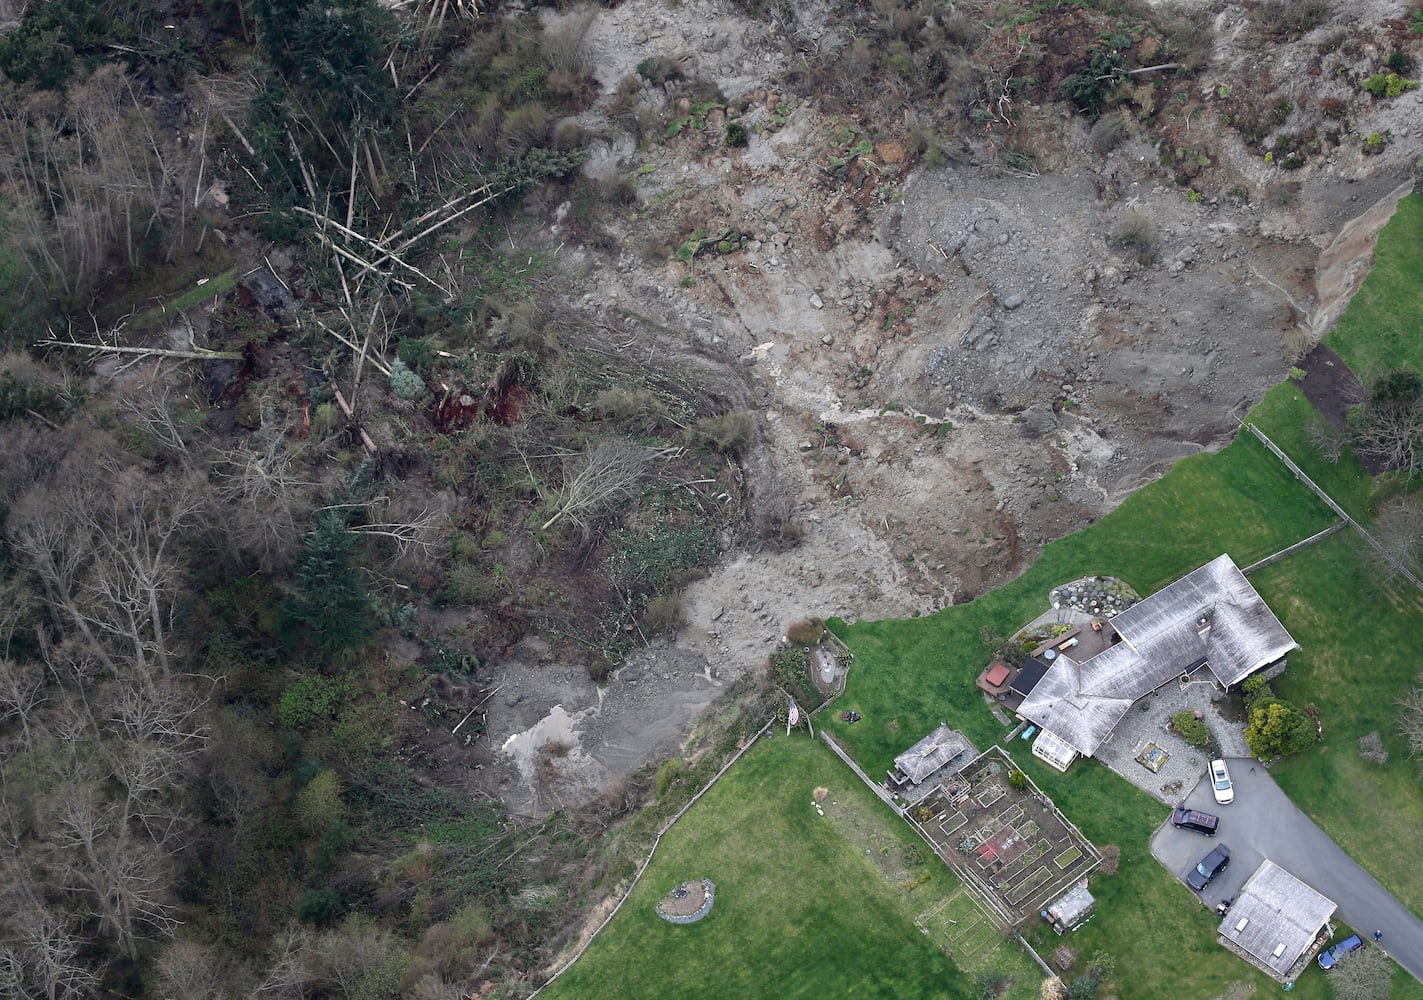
x=1364, y=975
x=1390, y=419
x=1327, y=439
x=262, y=494
x=345, y=955
x=40, y=956
x=1410, y=717
x=594, y=479
x=1399, y=532
x=22, y=690
x=158, y=411
x=285, y=974
x=101, y=541
x=188, y=970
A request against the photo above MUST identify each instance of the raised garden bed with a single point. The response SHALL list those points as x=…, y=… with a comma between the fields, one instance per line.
x=1152, y=757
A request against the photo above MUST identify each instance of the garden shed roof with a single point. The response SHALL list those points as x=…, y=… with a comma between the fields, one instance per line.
x=1211, y=616
x=933, y=752
x=1276, y=918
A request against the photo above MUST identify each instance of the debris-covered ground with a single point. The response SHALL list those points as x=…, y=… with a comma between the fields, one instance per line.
x=953, y=364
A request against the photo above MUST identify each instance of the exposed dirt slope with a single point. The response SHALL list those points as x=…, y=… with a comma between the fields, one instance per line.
x=952, y=365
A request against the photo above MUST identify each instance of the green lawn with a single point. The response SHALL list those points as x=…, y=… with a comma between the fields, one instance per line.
x=1379, y=330
x=910, y=675
x=1357, y=658
x=1285, y=415
x=802, y=908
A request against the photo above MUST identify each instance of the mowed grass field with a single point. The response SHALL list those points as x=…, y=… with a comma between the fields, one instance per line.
x=1358, y=657
x=803, y=905
x=1285, y=416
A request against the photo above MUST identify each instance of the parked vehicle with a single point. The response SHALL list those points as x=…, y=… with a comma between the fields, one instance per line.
x=1190, y=819
x=1329, y=957
x=1211, y=865
x=1220, y=783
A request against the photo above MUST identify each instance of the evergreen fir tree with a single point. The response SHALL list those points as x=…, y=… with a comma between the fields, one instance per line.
x=330, y=608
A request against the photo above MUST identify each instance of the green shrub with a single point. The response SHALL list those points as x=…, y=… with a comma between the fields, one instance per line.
x=404, y=382
x=1018, y=779
x=1375, y=142
x=669, y=775
x=725, y=434
x=311, y=700
x=318, y=906
x=790, y=672
x=338, y=838
x=1286, y=20
x=1089, y=86
x=18, y=396
x=660, y=69
x=736, y=134
x=663, y=614
x=1193, y=730
x=415, y=352
x=1277, y=728
x=319, y=804
x=42, y=48
x=1256, y=686
x=1388, y=85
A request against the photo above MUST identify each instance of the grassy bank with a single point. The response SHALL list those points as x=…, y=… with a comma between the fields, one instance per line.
x=1285, y=416
x=1379, y=330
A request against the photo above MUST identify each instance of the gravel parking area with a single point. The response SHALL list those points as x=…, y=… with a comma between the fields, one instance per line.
x=1149, y=721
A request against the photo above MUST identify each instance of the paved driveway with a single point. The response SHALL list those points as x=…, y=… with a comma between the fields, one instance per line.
x=1262, y=822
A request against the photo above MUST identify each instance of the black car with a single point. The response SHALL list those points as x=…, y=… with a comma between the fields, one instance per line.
x=1192, y=819
x=1211, y=865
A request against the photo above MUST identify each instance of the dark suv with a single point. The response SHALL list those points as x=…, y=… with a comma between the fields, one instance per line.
x=1190, y=819
x=1211, y=865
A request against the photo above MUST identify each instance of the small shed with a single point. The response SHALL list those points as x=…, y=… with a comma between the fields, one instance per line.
x=927, y=764
x=1071, y=911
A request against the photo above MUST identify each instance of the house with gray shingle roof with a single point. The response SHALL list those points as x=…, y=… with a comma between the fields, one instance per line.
x=1211, y=619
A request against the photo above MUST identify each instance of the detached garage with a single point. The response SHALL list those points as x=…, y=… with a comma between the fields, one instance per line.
x=1277, y=922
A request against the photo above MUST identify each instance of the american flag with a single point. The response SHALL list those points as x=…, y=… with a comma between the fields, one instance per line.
x=793, y=717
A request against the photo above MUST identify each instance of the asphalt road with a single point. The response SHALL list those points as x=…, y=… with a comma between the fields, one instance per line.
x=1263, y=823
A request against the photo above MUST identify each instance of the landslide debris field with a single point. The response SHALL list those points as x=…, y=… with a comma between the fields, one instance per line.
x=960, y=341
x=442, y=412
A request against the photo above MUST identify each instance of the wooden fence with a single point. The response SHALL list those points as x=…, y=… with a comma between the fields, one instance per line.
x=1304, y=478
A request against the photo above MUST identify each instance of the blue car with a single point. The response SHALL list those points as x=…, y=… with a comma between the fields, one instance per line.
x=1329, y=957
